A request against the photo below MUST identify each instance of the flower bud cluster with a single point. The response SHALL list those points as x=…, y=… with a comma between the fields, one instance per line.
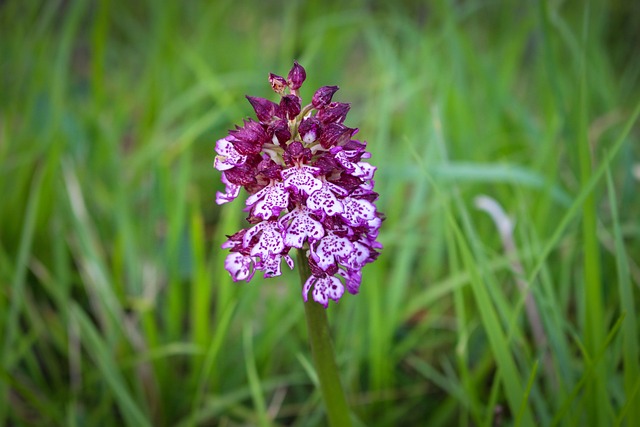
x=309, y=188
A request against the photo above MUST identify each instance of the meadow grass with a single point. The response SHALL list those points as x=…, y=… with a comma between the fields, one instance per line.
x=115, y=308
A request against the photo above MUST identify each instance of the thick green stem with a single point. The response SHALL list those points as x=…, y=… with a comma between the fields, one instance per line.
x=322, y=353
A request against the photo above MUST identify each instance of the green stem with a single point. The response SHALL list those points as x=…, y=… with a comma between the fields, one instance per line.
x=322, y=353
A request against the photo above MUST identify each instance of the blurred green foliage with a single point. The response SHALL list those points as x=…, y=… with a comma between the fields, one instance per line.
x=115, y=308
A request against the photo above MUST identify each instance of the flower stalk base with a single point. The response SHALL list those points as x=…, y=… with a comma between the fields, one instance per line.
x=323, y=356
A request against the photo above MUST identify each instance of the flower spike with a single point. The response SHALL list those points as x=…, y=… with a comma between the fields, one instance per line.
x=310, y=189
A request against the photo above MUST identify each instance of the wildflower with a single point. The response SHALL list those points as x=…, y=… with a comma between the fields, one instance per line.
x=310, y=188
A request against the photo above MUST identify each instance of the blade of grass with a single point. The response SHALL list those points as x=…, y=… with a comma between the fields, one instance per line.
x=212, y=354
x=593, y=293
x=102, y=355
x=254, y=379
x=630, y=335
x=585, y=191
x=590, y=363
x=12, y=326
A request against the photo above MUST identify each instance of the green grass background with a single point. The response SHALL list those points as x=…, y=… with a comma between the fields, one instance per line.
x=115, y=308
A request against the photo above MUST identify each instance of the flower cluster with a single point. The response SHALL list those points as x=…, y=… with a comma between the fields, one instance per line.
x=309, y=188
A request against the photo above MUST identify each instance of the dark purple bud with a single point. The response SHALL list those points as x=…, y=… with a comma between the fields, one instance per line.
x=296, y=76
x=278, y=83
x=241, y=175
x=234, y=241
x=335, y=134
x=323, y=96
x=335, y=112
x=371, y=196
x=326, y=164
x=348, y=182
x=354, y=145
x=310, y=129
x=296, y=198
x=319, y=272
x=295, y=151
x=250, y=138
x=265, y=109
x=269, y=169
x=290, y=105
x=280, y=129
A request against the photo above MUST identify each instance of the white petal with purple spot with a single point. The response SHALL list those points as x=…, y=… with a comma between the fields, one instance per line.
x=270, y=241
x=301, y=227
x=364, y=170
x=341, y=157
x=324, y=200
x=358, y=258
x=239, y=266
x=271, y=266
x=353, y=279
x=289, y=261
x=323, y=288
x=330, y=249
x=269, y=201
x=302, y=179
x=358, y=211
x=228, y=156
x=232, y=191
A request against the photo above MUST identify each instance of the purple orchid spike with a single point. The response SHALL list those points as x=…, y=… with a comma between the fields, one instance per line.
x=309, y=188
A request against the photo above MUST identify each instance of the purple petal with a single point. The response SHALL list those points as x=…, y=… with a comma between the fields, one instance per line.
x=309, y=129
x=278, y=83
x=280, y=131
x=250, y=137
x=234, y=240
x=357, y=211
x=335, y=134
x=295, y=152
x=323, y=96
x=296, y=76
x=269, y=201
x=301, y=179
x=302, y=227
x=239, y=266
x=265, y=110
x=330, y=249
x=290, y=106
x=334, y=112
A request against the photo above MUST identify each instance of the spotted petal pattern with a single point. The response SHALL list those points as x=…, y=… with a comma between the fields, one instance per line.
x=239, y=266
x=323, y=288
x=271, y=265
x=331, y=249
x=357, y=211
x=324, y=200
x=358, y=258
x=302, y=179
x=228, y=157
x=302, y=227
x=270, y=241
x=310, y=188
x=269, y=201
x=232, y=191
